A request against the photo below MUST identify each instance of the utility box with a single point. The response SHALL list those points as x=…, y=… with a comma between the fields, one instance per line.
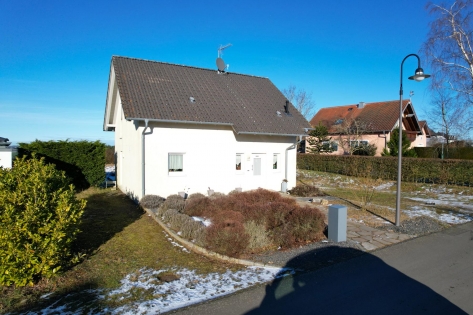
x=337, y=223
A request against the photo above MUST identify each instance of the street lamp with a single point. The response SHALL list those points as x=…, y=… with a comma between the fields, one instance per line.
x=418, y=76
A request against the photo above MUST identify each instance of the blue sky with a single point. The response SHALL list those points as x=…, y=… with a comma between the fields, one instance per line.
x=55, y=55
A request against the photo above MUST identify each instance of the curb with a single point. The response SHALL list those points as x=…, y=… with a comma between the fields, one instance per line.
x=202, y=251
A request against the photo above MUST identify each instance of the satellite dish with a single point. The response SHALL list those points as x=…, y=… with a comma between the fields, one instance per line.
x=220, y=64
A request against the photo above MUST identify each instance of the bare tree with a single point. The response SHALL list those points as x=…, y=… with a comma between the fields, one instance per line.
x=449, y=48
x=350, y=137
x=302, y=100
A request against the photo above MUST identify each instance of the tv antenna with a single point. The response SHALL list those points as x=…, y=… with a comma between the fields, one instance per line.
x=220, y=63
x=220, y=53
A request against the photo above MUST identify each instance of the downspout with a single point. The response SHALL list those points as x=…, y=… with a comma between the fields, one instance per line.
x=293, y=146
x=143, y=159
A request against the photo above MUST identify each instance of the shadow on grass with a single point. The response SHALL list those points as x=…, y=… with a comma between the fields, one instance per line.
x=363, y=285
x=80, y=299
x=107, y=213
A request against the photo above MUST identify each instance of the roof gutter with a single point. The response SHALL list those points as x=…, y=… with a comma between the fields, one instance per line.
x=270, y=134
x=179, y=121
x=143, y=160
x=293, y=146
x=218, y=124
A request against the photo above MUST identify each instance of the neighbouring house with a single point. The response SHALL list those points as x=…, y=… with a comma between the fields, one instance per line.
x=7, y=153
x=187, y=129
x=370, y=124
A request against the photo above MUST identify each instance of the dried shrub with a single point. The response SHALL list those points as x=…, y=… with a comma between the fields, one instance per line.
x=227, y=234
x=217, y=195
x=202, y=207
x=306, y=191
x=168, y=214
x=174, y=202
x=307, y=224
x=178, y=220
x=192, y=230
x=151, y=201
x=258, y=236
x=195, y=196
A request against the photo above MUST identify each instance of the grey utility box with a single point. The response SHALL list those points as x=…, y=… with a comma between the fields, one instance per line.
x=337, y=223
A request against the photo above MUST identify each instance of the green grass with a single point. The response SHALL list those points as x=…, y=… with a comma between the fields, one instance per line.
x=117, y=239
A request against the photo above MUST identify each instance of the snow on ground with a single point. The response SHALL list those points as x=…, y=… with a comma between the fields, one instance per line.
x=451, y=217
x=174, y=243
x=204, y=221
x=161, y=297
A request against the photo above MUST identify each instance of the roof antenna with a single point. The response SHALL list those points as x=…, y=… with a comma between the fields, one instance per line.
x=220, y=63
x=411, y=93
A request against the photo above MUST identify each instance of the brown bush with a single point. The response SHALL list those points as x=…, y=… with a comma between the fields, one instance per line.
x=202, y=207
x=189, y=229
x=307, y=224
x=227, y=234
x=195, y=196
x=306, y=191
x=258, y=236
x=151, y=201
x=174, y=202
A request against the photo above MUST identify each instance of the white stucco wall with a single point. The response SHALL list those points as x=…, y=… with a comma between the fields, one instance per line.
x=209, y=153
x=6, y=157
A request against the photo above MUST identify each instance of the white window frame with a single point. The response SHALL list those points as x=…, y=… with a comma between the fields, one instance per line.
x=241, y=155
x=278, y=163
x=177, y=173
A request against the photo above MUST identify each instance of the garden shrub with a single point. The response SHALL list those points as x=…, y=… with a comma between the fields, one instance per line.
x=258, y=236
x=178, y=220
x=227, y=234
x=201, y=207
x=174, y=202
x=39, y=219
x=151, y=201
x=168, y=214
x=82, y=161
x=195, y=196
x=191, y=229
x=306, y=191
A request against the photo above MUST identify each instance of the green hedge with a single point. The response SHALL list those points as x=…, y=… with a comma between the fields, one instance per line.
x=465, y=153
x=39, y=218
x=82, y=161
x=458, y=172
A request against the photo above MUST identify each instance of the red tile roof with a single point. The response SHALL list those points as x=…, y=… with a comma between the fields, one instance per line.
x=378, y=117
x=169, y=92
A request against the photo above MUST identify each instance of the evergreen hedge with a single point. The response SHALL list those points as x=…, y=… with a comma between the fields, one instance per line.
x=82, y=161
x=39, y=219
x=457, y=172
x=464, y=153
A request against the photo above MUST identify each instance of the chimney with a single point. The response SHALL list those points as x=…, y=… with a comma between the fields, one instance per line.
x=286, y=107
x=361, y=105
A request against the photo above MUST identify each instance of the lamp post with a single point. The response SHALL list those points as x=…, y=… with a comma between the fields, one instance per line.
x=419, y=75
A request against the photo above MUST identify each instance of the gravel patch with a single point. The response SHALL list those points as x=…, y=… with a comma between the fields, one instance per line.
x=416, y=226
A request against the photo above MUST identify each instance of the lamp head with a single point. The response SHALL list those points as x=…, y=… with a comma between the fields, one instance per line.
x=419, y=75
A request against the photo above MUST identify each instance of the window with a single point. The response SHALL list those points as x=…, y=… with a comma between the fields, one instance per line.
x=360, y=143
x=275, y=161
x=238, y=162
x=327, y=145
x=176, y=162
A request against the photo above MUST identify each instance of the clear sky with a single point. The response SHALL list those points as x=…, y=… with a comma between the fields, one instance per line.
x=55, y=55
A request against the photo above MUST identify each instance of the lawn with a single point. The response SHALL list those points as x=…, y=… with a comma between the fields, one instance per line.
x=117, y=239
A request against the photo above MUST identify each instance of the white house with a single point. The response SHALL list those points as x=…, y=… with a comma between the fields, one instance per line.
x=6, y=153
x=180, y=128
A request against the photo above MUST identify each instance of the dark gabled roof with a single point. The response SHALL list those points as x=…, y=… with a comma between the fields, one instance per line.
x=169, y=92
x=378, y=116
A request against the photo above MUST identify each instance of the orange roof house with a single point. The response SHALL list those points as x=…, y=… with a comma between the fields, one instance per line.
x=374, y=124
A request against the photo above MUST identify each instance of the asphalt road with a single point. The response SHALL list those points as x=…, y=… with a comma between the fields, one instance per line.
x=432, y=274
